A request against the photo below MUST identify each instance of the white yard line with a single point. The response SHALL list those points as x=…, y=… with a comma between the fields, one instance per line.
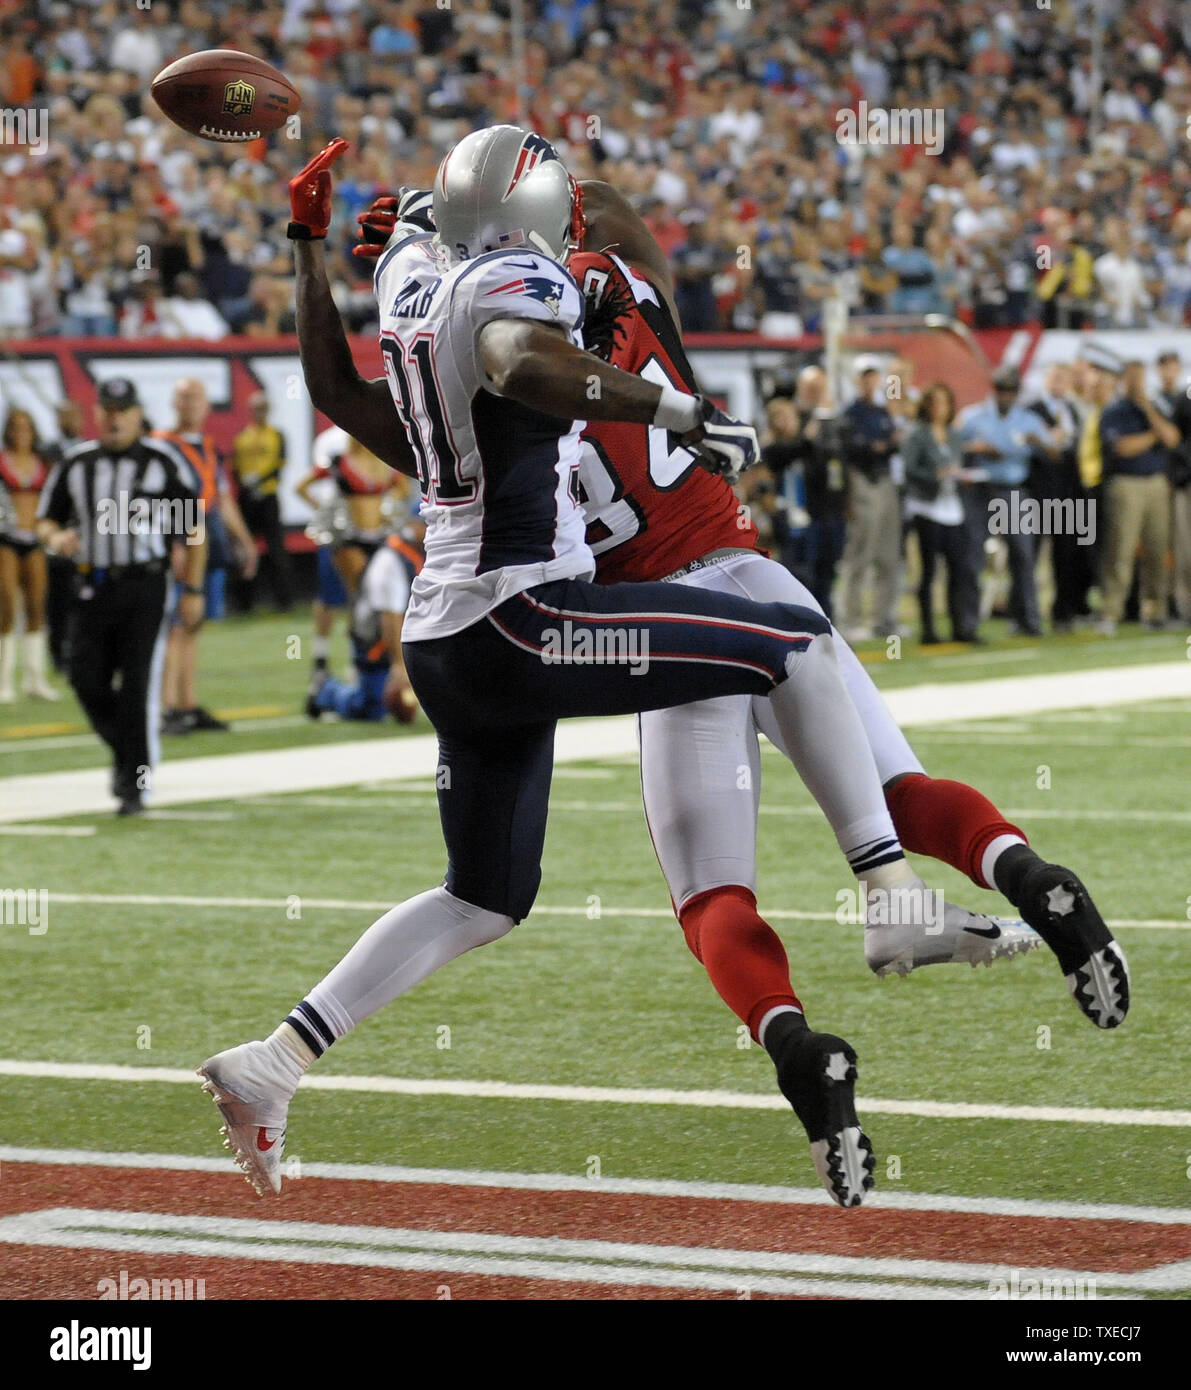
x=542, y=910
x=76, y=831
x=611, y=1095
x=985, y=658
x=317, y=767
x=415, y=794
x=646, y=1187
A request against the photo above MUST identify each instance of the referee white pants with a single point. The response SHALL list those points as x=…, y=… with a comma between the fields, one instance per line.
x=701, y=763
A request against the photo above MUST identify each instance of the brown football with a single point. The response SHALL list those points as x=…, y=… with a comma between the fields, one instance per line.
x=222, y=94
x=400, y=700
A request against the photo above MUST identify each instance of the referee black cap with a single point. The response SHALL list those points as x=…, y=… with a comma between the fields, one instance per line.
x=119, y=392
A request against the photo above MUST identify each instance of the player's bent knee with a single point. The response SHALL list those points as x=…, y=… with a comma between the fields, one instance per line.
x=483, y=924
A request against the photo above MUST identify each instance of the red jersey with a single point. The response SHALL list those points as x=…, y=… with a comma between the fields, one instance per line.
x=349, y=480
x=13, y=481
x=651, y=509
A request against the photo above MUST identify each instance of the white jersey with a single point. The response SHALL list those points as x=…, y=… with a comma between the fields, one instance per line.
x=385, y=586
x=328, y=445
x=498, y=479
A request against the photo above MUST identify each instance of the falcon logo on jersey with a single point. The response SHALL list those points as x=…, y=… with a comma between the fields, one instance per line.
x=535, y=150
x=537, y=287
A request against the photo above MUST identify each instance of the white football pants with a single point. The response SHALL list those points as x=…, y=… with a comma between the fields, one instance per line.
x=701, y=763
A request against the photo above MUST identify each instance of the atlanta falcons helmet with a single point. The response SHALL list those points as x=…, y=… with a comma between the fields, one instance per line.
x=503, y=188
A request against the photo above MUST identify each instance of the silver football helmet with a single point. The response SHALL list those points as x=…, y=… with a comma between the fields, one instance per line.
x=501, y=188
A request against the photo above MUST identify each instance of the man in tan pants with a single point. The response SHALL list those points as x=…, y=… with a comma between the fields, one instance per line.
x=1136, y=438
x=874, y=511
x=1178, y=407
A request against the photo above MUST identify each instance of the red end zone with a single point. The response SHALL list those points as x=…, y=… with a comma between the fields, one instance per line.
x=65, y=1228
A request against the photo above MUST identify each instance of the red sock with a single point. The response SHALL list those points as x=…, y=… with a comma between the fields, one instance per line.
x=742, y=954
x=946, y=820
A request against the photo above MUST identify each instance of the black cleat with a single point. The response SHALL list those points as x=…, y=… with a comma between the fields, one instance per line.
x=203, y=719
x=175, y=722
x=320, y=677
x=817, y=1075
x=130, y=806
x=1059, y=908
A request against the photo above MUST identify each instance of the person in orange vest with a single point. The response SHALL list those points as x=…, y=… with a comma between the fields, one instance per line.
x=183, y=713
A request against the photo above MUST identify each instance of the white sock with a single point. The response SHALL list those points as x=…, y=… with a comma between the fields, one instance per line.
x=769, y=1016
x=397, y=952
x=827, y=743
x=289, y=1049
x=321, y=646
x=988, y=860
x=8, y=661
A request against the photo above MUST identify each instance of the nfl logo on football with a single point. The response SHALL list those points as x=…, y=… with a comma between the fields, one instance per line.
x=238, y=98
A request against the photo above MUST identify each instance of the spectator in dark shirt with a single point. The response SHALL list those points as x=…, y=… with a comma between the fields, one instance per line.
x=695, y=264
x=934, y=458
x=1136, y=439
x=917, y=289
x=825, y=483
x=877, y=280
x=781, y=459
x=1178, y=404
x=874, y=510
x=1054, y=475
x=776, y=288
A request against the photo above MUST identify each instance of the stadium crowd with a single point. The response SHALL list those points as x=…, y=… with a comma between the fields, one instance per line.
x=1044, y=200
x=721, y=118
x=1092, y=469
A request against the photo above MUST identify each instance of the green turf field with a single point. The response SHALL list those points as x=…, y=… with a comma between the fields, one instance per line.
x=585, y=993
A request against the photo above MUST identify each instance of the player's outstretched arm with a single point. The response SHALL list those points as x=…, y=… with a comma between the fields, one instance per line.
x=611, y=224
x=535, y=364
x=364, y=409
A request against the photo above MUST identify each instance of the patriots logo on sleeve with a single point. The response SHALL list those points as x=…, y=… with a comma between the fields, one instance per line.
x=537, y=287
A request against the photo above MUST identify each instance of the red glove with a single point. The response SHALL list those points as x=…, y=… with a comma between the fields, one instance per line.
x=376, y=227
x=412, y=205
x=310, y=195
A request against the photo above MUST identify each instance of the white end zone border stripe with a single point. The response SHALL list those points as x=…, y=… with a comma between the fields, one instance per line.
x=613, y=1095
x=599, y=1261
x=647, y=1187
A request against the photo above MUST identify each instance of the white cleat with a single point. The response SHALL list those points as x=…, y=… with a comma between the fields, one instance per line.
x=253, y=1093
x=911, y=927
x=40, y=690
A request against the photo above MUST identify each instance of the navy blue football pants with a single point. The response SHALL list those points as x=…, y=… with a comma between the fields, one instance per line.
x=495, y=691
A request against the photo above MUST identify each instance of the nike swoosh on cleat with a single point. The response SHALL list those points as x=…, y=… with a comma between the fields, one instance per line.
x=991, y=932
x=260, y=1142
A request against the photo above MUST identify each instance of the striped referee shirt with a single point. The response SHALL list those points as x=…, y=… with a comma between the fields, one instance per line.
x=130, y=507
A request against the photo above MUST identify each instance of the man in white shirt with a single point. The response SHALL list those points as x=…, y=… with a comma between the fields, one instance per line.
x=187, y=315
x=18, y=260
x=1121, y=280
